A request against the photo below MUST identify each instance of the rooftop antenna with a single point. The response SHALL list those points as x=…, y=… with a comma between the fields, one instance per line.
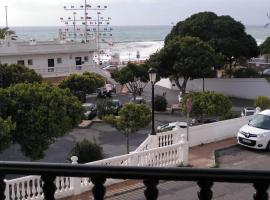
x=93, y=27
x=6, y=8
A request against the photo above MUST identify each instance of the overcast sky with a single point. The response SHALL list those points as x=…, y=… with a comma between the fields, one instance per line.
x=133, y=12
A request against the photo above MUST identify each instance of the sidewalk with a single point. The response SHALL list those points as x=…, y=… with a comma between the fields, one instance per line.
x=199, y=157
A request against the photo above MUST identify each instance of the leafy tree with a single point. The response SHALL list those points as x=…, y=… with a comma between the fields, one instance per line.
x=134, y=77
x=87, y=151
x=41, y=112
x=160, y=103
x=207, y=104
x=7, y=32
x=12, y=74
x=265, y=46
x=223, y=33
x=105, y=107
x=263, y=102
x=80, y=85
x=132, y=117
x=6, y=126
x=186, y=57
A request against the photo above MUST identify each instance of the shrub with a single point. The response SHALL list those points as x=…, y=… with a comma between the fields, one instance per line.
x=87, y=151
x=104, y=107
x=160, y=103
x=246, y=73
x=263, y=102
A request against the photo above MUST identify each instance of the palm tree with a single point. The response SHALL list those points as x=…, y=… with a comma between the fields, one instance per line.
x=6, y=31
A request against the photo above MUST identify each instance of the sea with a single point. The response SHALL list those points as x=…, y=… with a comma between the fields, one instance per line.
x=130, y=42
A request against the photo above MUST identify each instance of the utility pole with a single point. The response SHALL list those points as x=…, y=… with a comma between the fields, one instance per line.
x=6, y=8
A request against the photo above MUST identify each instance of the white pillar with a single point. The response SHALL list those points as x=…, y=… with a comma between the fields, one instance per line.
x=184, y=150
x=75, y=183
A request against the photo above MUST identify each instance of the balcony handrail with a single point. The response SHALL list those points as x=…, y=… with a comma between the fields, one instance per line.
x=127, y=172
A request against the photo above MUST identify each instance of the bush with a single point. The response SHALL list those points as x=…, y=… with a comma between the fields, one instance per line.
x=160, y=103
x=263, y=102
x=105, y=107
x=246, y=73
x=87, y=151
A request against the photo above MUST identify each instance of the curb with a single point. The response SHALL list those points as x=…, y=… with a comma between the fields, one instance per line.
x=216, y=155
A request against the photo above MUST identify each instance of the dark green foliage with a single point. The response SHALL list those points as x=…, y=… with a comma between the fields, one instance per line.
x=87, y=151
x=185, y=57
x=80, y=85
x=5, y=32
x=6, y=126
x=208, y=104
x=104, y=107
x=263, y=102
x=265, y=47
x=246, y=73
x=12, y=74
x=134, y=77
x=132, y=117
x=223, y=33
x=160, y=103
x=41, y=112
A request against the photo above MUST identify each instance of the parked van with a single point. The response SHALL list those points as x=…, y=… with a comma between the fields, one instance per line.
x=256, y=134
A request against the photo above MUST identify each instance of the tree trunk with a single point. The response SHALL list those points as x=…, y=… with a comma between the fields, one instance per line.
x=182, y=87
x=127, y=137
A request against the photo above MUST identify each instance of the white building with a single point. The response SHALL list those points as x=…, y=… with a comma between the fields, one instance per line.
x=51, y=58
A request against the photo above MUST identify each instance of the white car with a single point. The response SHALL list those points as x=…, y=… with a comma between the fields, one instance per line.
x=170, y=126
x=256, y=134
x=248, y=111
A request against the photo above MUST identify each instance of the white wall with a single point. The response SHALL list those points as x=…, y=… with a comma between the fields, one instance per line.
x=216, y=131
x=247, y=88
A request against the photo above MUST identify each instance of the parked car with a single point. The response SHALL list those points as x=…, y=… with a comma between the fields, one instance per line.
x=138, y=100
x=248, y=111
x=110, y=68
x=90, y=110
x=116, y=105
x=103, y=92
x=170, y=126
x=256, y=134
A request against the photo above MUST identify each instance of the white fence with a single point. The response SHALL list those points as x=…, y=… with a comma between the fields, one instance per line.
x=247, y=88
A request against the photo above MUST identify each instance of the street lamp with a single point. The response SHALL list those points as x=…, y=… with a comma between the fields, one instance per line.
x=152, y=77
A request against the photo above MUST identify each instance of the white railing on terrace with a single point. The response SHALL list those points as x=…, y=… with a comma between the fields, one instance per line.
x=165, y=149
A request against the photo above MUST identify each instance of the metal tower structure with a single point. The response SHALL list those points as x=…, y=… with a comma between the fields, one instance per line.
x=94, y=25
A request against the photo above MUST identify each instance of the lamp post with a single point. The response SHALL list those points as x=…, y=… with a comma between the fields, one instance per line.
x=152, y=77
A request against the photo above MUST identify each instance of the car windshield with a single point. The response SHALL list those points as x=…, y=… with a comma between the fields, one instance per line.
x=260, y=121
x=115, y=103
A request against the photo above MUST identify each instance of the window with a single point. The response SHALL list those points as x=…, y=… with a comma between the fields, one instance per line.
x=78, y=60
x=30, y=62
x=20, y=62
x=50, y=62
x=59, y=60
x=86, y=58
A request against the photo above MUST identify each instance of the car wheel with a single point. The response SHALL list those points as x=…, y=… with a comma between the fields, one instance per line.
x=268, y=147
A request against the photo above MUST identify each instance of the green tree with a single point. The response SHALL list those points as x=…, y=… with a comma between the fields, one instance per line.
x=185, y=57
x=207, y=104
x=160, y=103
x=12, y=74
x=265, y=48
x=134, y=77
x=6, y=126
x=87, y=151
x=41, y=112
x=132, y=117
x=7, y=32
x=80, y=85
x=263, y=102
x=223, y=33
